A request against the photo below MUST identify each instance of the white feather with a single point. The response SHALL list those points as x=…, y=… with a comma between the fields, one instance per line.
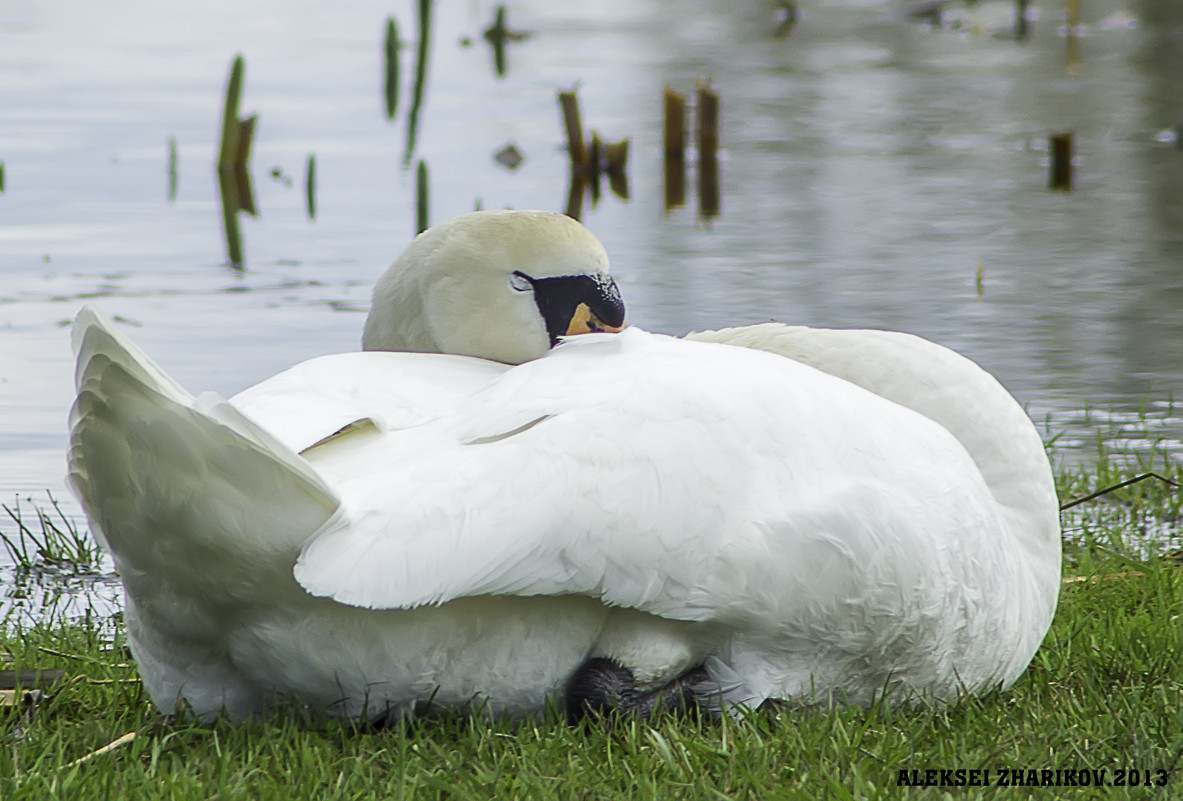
x=848, y=513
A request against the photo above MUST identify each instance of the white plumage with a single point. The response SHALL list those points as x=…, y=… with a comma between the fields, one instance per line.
x=887, y=521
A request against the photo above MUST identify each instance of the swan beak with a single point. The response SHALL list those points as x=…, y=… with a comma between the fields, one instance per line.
x=584, y=321
x=578, y=304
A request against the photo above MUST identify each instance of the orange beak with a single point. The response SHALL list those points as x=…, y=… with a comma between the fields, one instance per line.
x=583, y=321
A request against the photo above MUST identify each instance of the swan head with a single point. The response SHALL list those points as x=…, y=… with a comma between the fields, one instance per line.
x=499, y=285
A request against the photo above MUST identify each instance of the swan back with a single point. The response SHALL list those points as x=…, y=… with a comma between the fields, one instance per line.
x=956, y=393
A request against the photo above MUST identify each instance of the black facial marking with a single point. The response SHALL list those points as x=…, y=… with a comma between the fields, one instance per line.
x=557, y=299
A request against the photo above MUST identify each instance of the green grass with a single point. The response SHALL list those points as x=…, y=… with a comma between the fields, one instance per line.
x=52, y=544
x=1104, y=692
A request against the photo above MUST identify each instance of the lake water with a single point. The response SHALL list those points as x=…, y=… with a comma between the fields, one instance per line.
x=876, y=171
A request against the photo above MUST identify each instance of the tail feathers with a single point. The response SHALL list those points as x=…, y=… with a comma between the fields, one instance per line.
x=184, y=490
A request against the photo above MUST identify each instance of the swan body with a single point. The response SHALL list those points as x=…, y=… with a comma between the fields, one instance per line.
x=816, y=514
x=611, y=503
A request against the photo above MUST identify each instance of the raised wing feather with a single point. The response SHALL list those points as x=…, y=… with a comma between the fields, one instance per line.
x=188, y=494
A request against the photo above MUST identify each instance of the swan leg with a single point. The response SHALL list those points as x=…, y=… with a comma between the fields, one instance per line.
x=602, y=685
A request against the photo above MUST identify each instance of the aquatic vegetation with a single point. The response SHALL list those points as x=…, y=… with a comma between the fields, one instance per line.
x=52, y=544
x=422, y=207
x=417, y=90
x=391, y=48
x=310, y=185
x=235, y=149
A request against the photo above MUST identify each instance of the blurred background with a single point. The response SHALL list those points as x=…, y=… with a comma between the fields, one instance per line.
x=880, y=165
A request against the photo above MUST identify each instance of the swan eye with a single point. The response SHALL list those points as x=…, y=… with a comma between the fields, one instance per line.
x=520, y=281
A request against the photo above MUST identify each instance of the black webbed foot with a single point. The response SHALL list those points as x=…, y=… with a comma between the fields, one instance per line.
x=602, y=685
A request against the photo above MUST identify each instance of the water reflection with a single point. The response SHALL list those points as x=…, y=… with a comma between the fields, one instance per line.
x=673, y=114
x=674, y=151
x=1060, y=161
x=29, y=599
x=604, y=162
x=591, y=162
x=234, y=154
x=786, y=18
x=172, y=169
x=237, y=194
x=707, y=112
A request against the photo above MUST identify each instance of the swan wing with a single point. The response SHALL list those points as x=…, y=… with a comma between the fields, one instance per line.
x=952, y=391
x=192, y=498
x=689, y=480
x=314, y=400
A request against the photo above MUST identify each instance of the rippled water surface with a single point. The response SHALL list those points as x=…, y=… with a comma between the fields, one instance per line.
x=875, y=172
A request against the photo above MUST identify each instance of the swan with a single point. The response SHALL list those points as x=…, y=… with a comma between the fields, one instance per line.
x=754, y=513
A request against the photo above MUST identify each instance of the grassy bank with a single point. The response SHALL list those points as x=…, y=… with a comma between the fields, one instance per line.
x=1104, y=693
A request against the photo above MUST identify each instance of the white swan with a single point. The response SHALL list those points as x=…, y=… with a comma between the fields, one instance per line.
x=661, y=503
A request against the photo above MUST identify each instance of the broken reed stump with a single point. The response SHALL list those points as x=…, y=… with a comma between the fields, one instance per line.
x=708, y=120
x=673, y=121
x=591, y=160
x=674, y=145
x=708, y=152
x=1021, y=28
x=573, y=125
x=235, y=150
x=1060, y=148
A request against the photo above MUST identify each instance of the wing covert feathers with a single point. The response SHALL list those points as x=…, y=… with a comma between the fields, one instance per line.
x=177, y=485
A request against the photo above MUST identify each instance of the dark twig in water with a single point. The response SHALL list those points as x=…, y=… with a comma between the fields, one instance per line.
x=1126, y=483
